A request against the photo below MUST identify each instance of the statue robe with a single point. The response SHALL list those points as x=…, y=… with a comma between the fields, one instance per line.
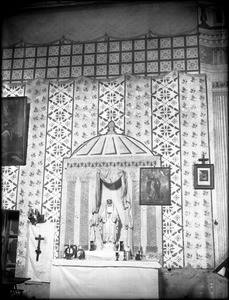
x=109, y=221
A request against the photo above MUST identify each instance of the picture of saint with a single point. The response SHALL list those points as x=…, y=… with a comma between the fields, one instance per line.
x=12, y=145
x=155, y=186
x=203, y=175
x=13, y=131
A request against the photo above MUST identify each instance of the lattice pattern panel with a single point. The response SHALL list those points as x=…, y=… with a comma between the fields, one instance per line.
x=147, y=55
x=197, y=209
x=111, y=105
x=58, y=146
x=9, y=187
x=166, y=142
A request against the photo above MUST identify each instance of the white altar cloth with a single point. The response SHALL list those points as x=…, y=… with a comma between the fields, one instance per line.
x=104, y=279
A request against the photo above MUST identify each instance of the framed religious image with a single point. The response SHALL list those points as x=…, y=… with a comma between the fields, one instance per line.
x=204, y=176
x=155, y=186
x=14, y=125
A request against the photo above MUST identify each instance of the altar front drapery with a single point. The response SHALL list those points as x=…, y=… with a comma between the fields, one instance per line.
x=104, y=279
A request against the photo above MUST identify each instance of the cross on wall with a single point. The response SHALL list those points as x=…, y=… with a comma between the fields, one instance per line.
x=38, y=250
x=203, y=159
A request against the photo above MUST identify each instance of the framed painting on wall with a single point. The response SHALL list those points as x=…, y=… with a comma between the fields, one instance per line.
x=155, y=186
x=14, y=130
x=204, y=176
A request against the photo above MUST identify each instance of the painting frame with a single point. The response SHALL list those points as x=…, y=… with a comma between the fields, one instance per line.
x=14, y=130
x=204, y=176
x=155, y=186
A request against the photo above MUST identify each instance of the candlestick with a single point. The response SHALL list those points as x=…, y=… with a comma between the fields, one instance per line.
x=116, y=255
x=117, y=246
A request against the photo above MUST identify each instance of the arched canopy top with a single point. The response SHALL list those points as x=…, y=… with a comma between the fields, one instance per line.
x=111, y=144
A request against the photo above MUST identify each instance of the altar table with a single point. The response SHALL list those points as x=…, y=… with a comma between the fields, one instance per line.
x=104, y=279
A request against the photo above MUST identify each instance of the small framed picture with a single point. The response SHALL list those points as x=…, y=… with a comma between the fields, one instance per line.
x=204, y=176
x=155, y=187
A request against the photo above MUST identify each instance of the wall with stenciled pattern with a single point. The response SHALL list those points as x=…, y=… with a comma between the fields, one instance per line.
x=166, y=113
x=160, y=99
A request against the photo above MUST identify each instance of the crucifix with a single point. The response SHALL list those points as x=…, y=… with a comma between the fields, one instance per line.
x=38, y=251
x=203, y=159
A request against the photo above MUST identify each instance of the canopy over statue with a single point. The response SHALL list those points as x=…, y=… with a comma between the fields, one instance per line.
x=107, y=167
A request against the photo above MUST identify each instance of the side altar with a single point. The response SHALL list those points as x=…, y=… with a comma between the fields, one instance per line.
x=100, y=196
x=88, y=279
x=101, y=213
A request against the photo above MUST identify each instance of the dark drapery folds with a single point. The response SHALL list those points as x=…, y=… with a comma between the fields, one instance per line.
x=117, y=21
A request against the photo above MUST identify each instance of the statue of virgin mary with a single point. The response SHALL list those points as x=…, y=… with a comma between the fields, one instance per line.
x=111, y=214
x=108, y=222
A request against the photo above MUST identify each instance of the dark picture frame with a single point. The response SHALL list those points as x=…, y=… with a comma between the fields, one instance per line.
x=204, y=176
x=14, y=130
x=155, y=186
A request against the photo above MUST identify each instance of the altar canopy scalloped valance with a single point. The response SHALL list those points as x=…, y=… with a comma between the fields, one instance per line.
x=117, y=21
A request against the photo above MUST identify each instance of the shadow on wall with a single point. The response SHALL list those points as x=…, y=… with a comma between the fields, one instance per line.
x=192, y=283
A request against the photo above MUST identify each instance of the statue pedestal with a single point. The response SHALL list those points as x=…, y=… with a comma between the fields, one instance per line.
x=108, y=247
x=107, y=253
x=100, y=255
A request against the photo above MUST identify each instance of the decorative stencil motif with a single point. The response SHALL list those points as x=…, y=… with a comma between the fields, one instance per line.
x=85, y=113
x=37, y=93
x=64, y=59
x=166, y=142
x=9, y=187
x=58, y=146
x=197, y=209
x=138, y=109
x=111, y=105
